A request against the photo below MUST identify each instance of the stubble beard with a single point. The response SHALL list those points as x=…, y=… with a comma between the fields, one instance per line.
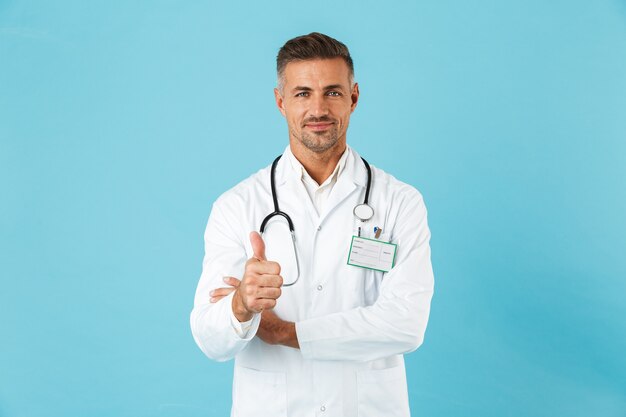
x=320, y=142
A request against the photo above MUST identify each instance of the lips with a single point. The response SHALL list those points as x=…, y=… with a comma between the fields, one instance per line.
x=318, y=126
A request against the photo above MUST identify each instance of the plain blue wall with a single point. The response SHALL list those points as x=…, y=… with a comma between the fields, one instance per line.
x=121, y=122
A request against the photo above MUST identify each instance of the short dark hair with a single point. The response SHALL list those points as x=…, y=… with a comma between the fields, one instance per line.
x=312, y=46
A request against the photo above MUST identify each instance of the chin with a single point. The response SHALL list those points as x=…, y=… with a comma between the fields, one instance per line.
x=319, y=146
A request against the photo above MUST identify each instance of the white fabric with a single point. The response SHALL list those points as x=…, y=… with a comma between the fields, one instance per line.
x=353, y=324
x=241, y=328
x=318, y=193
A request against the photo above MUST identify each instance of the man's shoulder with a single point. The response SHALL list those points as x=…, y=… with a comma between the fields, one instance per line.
x=393, y=185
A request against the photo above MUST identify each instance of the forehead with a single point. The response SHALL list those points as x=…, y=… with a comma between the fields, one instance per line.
x=317, y=72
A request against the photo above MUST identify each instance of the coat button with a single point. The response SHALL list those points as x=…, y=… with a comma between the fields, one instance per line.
x=322, y=408
x=319, y=287
x=319, y=228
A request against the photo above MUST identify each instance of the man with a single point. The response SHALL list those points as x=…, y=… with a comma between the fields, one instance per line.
x=332, y=343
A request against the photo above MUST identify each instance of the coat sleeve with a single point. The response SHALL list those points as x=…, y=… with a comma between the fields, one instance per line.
x=397, y=321
x=225, y=255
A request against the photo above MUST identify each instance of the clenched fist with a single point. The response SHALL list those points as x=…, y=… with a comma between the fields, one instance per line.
x=260, y=285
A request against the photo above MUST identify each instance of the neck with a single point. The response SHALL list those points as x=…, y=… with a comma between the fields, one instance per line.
x=318, y=165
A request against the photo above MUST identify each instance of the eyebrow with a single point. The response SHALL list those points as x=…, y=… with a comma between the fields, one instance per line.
x=328, y=87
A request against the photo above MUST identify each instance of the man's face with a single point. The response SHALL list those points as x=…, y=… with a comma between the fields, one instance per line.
x=317, y=101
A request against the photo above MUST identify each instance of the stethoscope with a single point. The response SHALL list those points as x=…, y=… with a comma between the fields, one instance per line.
x=362, y=211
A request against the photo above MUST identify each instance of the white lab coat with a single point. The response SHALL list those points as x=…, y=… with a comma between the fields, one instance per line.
x=353, y=324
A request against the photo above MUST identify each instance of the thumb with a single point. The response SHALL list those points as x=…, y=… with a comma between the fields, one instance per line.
x=258, y=246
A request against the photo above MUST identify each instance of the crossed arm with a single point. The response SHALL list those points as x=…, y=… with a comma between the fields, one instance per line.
x=394, y=324
x=272, y=330
x=257, y=292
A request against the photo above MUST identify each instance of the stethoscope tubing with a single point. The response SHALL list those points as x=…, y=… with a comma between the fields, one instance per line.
x=278, y=212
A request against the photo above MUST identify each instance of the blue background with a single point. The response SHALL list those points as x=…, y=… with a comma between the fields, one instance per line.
x=121, y=122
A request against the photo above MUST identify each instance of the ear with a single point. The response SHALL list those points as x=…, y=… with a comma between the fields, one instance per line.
x=354, y=96
x=280, y=102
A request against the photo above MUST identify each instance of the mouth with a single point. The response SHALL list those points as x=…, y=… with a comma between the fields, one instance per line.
x=318, y=126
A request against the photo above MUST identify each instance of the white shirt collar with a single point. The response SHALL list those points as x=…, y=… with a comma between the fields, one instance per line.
x=303, y=175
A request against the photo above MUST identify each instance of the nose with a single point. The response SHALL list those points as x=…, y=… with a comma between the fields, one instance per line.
x=318, y=106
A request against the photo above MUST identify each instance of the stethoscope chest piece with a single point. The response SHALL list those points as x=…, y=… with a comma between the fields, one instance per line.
x=363, y=212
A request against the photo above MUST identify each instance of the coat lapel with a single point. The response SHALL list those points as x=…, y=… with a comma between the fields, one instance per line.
x=352, y=179
x=289, y=182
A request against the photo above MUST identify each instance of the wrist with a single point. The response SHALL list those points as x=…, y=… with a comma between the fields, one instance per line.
x=239, y=309
x=288, y=335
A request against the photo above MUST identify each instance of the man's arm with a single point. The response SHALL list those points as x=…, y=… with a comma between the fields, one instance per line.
x=275, y=331
x=394, y=324
x=397, y=321
x=224, y=326
x=225, y=255
x=272, y=329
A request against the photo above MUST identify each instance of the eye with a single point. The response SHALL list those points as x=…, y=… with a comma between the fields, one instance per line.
x=334, y=93
x=302, y=94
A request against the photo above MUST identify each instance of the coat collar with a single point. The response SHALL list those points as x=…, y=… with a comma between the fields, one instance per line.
x=353, y=172
x=350, y=178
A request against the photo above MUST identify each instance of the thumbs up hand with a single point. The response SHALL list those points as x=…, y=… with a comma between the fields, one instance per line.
x=260, y=285
x=258, y=246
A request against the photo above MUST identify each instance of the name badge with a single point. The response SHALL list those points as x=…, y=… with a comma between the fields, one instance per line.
x=372, y=254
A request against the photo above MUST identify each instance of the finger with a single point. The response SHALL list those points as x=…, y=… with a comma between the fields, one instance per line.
x=267, y=280
x=263, y=304
x=264, y=280
x=263, y=267
x=268, y=292
x=232, y=281
x=220, y=293
x=258, y=246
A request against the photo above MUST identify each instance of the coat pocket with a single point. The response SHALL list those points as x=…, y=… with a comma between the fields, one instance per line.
x=259, y=393
x=383, y=392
